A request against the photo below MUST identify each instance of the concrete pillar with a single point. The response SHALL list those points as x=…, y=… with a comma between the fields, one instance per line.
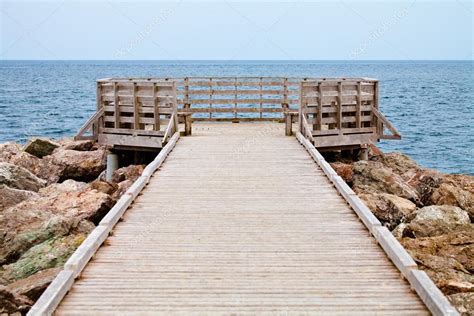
x=112, y=165
x=364, y=153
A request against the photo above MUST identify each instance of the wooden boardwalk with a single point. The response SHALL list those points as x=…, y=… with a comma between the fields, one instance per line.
x=240, y=220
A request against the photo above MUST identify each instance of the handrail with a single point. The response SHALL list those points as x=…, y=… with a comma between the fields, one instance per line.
x=380, y=116
x=88, y=125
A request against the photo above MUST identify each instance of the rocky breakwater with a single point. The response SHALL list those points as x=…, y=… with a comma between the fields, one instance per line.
x=52, y=194
x=430, y=213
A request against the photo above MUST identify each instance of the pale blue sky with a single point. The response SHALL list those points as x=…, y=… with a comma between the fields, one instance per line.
x=227, y=30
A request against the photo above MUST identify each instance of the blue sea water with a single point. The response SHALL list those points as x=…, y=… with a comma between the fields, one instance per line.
x=430, y=102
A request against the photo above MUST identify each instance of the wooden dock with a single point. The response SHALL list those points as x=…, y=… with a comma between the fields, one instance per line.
x=239, y=219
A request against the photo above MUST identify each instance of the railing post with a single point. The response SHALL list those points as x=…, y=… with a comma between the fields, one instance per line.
x=339, y=105
x=116, y=106
x=188, y=117
x=359, y=103
x=319, y=118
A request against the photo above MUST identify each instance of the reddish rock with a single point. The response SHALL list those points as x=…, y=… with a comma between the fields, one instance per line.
x=78, y=165
x=390, y=209
x=19, y=178
x=131, y=172
x=374, y=177
x=401, y=164
x=344, y=170
x=33, y=286
x=10, y=196
x=374, y=152
x=104, y=187
x=13, y=153
x=79, y=145
x=59, y=188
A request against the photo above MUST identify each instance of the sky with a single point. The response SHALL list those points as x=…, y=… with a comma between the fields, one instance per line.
x=229, y=30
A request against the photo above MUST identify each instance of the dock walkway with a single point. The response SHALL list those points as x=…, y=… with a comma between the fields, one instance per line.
x=240, y=220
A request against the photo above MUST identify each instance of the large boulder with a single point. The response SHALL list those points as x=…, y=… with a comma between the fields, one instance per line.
x=12, y=303
x=373, y=176
x=19, y=178
x=78, y=165
x=425, y=181
x=401, y=164
x=34, y=285
x=447, y=259
x=455, y=190
x=57, y=214
x=14, y=154
x=52, y=253
x=79, y=145
x=10, y=196
x=40, y=147
x=23, y=226
x=437, y=220
x=390, y=209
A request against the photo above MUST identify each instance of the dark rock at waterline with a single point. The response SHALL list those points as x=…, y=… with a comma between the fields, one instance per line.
x=40, y=147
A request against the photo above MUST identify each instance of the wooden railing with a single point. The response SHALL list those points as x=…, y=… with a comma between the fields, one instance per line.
x=336, y=113
x=133, y=113
x=237, y=99
x=144, y=112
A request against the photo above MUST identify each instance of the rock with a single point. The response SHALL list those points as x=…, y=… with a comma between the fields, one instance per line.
x=10, y=196
x=19, y=178
x=464, y=303
x=104, y=187
x=78, y=165
x=66, y=186
x=79, y=145
x=31, y=222
x=438, y=219
x=400, y=164
x=344, y=170
x=388, y=208
x=122, y=188
x=447, y=259
x=457, y=190
x=13, y=153
x=399, y=230
x=131, y=172
x=374, y=152
x=40, y=147
x=374, y=177
x=425, y=181
x=34, y=285
x=11, y=302
x=52, y=253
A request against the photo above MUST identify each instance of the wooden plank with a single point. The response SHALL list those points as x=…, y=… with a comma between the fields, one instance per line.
x=223, y=240
x=130, y=141
x=394, y=250
x=117, y=106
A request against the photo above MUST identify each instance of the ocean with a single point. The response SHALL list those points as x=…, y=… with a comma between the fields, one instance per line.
x=430, y=102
